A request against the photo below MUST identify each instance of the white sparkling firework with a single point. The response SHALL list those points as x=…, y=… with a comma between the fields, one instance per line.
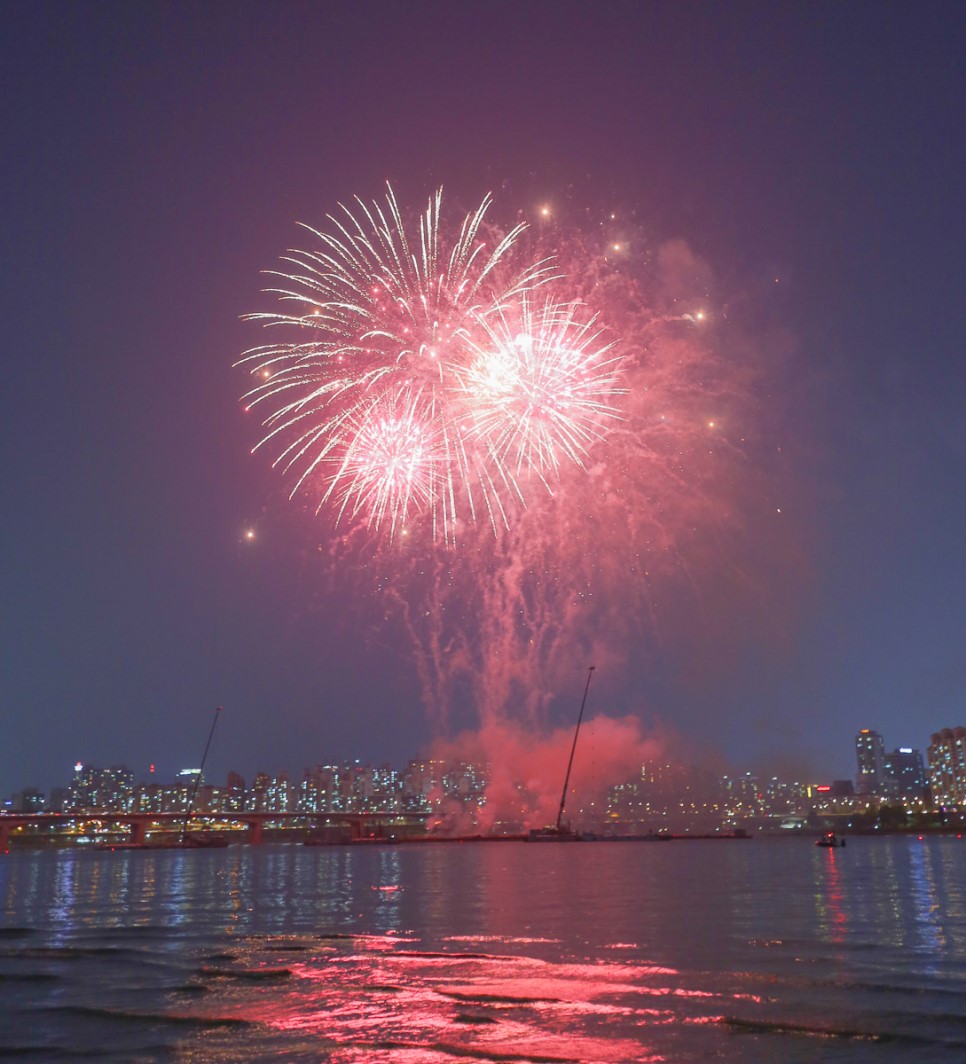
x=426, y=378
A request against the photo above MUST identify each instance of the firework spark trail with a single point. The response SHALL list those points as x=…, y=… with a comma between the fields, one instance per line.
x=428, y=382
x=573, y=577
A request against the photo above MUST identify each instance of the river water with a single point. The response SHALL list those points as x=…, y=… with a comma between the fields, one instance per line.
x=757, y=950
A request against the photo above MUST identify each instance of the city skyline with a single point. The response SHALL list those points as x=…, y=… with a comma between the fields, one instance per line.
x=901, y=765
x=339, y=803
x=799, y=169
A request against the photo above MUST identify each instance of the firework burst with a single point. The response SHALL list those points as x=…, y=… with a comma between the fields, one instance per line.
x=540, y=387
x=426, y=376
x=452, y=382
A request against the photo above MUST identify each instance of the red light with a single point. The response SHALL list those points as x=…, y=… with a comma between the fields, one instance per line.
x=824, y=788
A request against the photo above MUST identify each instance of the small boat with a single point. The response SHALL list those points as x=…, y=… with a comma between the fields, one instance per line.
x=203, y=842
x=561, y=832
x=553, y=833
x=830, y=840
x=189, y=842
x=186, y=840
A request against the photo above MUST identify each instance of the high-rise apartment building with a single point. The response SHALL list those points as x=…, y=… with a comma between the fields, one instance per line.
x=870, y=755
x=101, y=788
x=905, y=772
x=947, y=767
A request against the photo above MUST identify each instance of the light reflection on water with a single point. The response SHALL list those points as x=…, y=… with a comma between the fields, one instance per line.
x=757, y=950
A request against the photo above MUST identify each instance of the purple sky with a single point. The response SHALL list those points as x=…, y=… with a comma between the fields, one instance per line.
x=156, y=159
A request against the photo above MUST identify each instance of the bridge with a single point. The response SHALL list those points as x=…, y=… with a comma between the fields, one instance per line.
x=359, y=825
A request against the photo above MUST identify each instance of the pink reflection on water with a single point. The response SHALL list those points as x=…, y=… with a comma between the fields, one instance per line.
x=373, y=998
x=501, y=938
x=834, y=898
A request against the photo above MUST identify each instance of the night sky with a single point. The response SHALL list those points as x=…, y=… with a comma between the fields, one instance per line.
x=156, y=160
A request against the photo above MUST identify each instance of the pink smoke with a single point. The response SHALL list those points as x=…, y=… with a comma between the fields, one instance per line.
x=526, y=770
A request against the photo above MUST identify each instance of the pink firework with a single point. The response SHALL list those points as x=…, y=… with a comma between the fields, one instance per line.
x=393, y=460
x=651, y=485
x=540, y=387
x=419, y=379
